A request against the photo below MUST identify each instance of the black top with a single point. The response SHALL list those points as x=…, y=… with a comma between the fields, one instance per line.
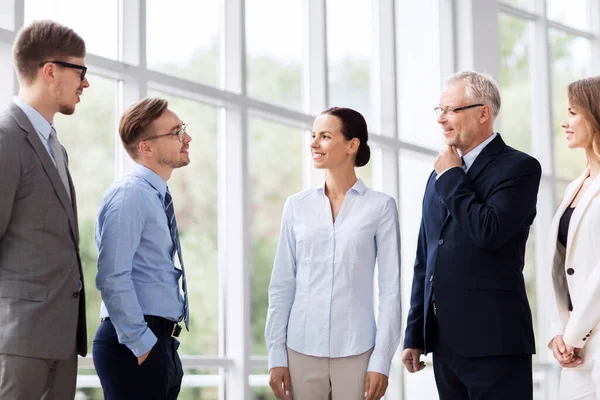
x=563, y=232
x=563, y=227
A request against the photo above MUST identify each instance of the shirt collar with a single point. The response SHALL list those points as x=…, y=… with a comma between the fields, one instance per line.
x=359, y=187
x=472, y=155
x=39, y=123
x=151, y=177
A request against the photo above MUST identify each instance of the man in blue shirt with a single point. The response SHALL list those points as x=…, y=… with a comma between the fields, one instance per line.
x=135, y=350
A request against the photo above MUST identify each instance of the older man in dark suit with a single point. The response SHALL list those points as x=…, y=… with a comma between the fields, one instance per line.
x=469, y=306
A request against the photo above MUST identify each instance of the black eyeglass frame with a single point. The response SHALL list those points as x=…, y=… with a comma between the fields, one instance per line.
x=180, y=133
x=67, y=65
x=439, y=110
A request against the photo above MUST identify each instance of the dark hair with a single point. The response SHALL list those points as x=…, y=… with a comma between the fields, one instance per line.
x=44, y=41
x=136, y=119
x=353, y=126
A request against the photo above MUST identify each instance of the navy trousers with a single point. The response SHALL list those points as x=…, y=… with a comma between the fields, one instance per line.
x=479, y=378
x=158, y=378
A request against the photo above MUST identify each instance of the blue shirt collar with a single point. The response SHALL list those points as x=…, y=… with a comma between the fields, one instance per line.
x=151, y=177
x=359, y=187
x=39, y=123
x=472, y=155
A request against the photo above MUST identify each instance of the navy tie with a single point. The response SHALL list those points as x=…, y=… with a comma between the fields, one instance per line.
x=464, y=166
x=170, y=210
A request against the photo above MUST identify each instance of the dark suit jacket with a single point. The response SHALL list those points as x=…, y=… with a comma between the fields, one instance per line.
x=471, y=253
x=42, y=310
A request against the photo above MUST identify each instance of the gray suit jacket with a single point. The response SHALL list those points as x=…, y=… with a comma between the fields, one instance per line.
x=42, y=310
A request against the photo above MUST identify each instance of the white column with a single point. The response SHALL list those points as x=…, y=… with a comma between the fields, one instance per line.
x=314, y=77
x=234, y=277
x=132, y=50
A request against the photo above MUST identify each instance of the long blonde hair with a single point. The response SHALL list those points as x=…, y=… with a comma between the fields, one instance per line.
x=585, y=95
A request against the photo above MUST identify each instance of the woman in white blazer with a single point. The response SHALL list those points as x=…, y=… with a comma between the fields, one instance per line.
x=575, y=242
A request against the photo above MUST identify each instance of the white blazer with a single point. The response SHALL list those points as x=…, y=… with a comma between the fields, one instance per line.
x=578, y=271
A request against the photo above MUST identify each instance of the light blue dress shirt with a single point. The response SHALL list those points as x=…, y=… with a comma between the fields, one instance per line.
x=137, y=275
x=321, y=291
x=41, y=126
x=471, y=156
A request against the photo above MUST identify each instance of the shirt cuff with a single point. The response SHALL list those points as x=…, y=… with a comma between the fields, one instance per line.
x=144, y=345
x=444, y=171
x=380, y=364
x=278, y=358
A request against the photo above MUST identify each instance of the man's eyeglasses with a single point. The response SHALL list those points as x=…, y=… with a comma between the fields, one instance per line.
x=180, y=133
x=451, y=111
x=67, y=65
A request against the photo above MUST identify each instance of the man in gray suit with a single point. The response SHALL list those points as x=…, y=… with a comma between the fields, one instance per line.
x=42, y=305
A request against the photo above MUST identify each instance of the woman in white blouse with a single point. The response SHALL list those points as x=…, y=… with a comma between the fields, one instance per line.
x=575, y=242
x=321, y=333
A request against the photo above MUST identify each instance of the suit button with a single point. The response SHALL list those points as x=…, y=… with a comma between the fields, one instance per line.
x=431, y=278
x=441, y=242
x=570, y=271
x=584, y=339
x=75, y=295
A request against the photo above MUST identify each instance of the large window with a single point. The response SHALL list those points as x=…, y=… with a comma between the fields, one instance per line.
x=242, y=74
x=183, y=39
x=275, y=155
x=349, y=50
x=274, y=51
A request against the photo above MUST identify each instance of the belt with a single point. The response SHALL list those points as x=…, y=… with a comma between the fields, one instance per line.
x=159, y=326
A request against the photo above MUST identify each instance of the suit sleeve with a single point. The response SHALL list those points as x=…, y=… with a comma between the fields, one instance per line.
x=587, y=315
x=414, y=335
x=10, y=168
x=493, y=221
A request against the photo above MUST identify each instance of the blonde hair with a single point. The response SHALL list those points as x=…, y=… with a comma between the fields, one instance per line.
x=584, y=94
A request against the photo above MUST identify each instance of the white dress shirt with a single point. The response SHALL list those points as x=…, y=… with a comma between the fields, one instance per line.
x=321, y=291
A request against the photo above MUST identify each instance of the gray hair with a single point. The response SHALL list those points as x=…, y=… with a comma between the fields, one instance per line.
x=480, y=88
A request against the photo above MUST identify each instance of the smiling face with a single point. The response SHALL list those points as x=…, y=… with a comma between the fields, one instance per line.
x=329, y=147
x=577, y=129
x=460, y=129
x=66, y=87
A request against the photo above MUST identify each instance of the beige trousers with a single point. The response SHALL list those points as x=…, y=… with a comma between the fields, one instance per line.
x=323, y=378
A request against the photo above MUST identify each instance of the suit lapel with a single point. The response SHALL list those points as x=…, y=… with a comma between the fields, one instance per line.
x=486, y=156
x=47, y=164
x=567, y=200
x=580, y=209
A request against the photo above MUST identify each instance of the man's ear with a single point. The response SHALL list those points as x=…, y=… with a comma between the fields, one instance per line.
x=485, y=114
x=48, y=72
x=145, y=149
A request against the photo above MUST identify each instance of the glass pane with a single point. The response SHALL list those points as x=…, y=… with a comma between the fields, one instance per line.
x=349, y=47
x=89, y=137
x=525, y=4
x=194, y=190
x=275, y=60
x=7, y=16
x=419, y=83
x=183, y=39
x=515, y=88
x=415, y=169
x=570, y=61
x=575, y=13
x=275, y=159
x=96, y=22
